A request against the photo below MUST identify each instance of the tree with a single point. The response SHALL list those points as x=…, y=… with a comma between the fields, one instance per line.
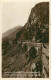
x=25, y=47
x=32, y=52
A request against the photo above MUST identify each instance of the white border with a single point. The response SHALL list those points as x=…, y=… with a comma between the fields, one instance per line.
x=1, y=4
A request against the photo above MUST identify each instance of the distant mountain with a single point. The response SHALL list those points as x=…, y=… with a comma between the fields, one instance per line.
x=37, y=25
x=11, y=34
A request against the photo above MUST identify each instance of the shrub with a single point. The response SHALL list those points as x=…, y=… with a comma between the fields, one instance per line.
x=32, y=52
x=25, y=47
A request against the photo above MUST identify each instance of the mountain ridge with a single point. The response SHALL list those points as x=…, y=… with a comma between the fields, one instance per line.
x=37, y=24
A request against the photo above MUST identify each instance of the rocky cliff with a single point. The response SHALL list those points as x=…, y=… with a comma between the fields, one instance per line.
x=37, y=25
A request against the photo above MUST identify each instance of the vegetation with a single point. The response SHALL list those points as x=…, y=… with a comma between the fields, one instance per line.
x=25, y=47
x=32, y=53
x=39, y=66
x=18, y=34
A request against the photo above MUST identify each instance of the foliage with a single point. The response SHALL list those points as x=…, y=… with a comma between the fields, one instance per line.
x=25, y=47
x=32, y=52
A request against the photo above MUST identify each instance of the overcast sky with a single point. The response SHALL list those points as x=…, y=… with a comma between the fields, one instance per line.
x=15, y=14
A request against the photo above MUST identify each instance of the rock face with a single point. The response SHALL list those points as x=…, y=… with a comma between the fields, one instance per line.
x=45, y=60
x=37, y=25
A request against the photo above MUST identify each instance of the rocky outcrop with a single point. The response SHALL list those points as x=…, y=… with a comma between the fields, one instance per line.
x=45, y=60
x=37, y=25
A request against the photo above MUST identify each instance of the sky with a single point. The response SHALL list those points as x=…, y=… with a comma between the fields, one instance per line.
x=15, y=14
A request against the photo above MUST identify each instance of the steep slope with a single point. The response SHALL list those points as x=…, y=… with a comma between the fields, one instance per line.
x=37, y=25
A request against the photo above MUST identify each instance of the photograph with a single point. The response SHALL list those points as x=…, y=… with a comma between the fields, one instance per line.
x=25, y=40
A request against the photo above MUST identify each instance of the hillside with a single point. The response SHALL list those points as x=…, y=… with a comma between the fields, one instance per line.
x=11, y=34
